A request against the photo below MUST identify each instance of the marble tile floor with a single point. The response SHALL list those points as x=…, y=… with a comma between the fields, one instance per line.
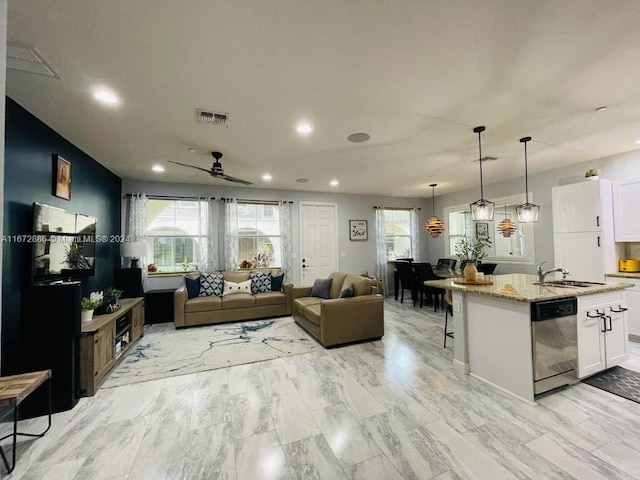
x=391, y=409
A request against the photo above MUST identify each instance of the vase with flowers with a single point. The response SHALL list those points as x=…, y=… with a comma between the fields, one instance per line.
x=89, y=304
x=471, y=252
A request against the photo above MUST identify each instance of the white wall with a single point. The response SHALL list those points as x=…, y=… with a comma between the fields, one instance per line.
x=540, y=184
x=3, y=85
x=354, y=257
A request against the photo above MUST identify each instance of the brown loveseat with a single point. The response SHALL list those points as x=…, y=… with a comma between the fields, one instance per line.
x=335, y=321
x=240, y=306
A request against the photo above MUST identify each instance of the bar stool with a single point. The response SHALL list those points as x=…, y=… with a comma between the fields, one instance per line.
x=448, y=310
x=13, y=390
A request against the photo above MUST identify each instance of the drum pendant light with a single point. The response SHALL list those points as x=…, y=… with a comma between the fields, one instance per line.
x=434, y=226
x=527, y=212
x=481, y=210
x=506, y=227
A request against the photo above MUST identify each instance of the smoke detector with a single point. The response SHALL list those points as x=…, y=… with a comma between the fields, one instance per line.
x=217, y=119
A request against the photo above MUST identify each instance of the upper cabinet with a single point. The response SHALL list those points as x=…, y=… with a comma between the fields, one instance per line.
x=579, y=207
x=626, y=203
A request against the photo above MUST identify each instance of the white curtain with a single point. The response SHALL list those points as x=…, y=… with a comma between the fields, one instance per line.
x=381, y=247
x=137, y=225
x=286, y=235
x=231, y=234
x=415, y=234
x=209, y=217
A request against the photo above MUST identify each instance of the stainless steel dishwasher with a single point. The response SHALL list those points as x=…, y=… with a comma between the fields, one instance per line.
x=555, y=343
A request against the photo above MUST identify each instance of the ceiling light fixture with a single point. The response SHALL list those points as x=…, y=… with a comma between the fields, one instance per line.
x=506, y=227
x=106, y=96
x=434, y=226
x=334, y=183
x=304, y=128
x=601, y=109
x=266, y=177
x=358, y=137
x=481, y=210
x=527, y=212
x=158, y=168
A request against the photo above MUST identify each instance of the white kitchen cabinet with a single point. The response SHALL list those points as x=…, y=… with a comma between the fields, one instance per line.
x=583, y=229
x=602, y=332
x=626, y=201
x=633, y=303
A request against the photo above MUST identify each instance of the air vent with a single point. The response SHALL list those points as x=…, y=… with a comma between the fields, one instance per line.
x=25, y=58
x=487, y=158
x=214, y=118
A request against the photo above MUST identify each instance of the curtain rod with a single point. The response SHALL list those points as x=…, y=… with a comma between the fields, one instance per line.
x=396, y=208
x=264, y=202
x=170, y=197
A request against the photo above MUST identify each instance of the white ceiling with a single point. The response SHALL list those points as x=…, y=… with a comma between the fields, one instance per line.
x=415, y=75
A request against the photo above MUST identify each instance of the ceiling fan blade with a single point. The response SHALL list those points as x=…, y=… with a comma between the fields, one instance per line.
x=192, y=166
x=234, y=179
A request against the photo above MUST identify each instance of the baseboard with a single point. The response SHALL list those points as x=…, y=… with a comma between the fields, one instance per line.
x=634, y=338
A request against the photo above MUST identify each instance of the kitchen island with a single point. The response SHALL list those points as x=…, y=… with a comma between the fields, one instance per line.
x=494, y=339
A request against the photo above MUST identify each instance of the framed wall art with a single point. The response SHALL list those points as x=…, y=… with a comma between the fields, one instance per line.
x=358, y=230
x=61, y=177
x=482, y=230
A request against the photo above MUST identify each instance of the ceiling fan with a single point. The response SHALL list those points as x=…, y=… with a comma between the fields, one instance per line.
x=216, y=169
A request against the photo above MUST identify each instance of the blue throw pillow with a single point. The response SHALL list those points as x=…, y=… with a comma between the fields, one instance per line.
x=260, y=282
x=193, y=286
x=321, y=288
x=347, y=292
x=276, y=283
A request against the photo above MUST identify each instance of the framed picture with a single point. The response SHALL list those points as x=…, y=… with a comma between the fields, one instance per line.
x=61, y=177
x=358, y=230
x=482, y=230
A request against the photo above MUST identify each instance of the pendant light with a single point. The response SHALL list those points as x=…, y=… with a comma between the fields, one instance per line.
x=527, y=212
x=434, y=226
x=506, y=226
x=481, y=210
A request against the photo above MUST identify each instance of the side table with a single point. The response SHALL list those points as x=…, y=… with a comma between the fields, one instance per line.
x=158, y=305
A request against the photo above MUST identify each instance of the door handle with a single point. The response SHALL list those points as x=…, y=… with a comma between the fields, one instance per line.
x=597, y=220
x=621, y=309
x=604, y=321
x=610, y=323
x=598, y=240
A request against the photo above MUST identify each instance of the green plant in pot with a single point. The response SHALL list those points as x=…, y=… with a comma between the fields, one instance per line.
x=470, y=252
x=112, y=299
x=592, y=172
x=89, y=304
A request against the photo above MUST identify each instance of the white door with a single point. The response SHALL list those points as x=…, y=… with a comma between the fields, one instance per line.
x=581, y=253
x=577, y=207
x=626, y=198
x=318, y=245
x=616, y=338
x=591, y=350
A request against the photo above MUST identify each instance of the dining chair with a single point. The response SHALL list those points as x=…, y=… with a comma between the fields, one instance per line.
x=446, y=263
x=487, y=268
x=423, y=272
x=407, y=281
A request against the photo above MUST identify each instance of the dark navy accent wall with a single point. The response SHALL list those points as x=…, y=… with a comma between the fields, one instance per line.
x=95, y=191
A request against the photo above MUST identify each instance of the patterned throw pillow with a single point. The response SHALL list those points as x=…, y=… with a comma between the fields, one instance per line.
x=232, y=287
x=210, y=285
x=260, y=282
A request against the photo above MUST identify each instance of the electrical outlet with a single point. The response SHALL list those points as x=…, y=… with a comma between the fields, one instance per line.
x=456, y=306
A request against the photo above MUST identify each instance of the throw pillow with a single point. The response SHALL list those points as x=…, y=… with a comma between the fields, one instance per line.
x=276, y=283
x=193, y=286
x=231, y=288
x=346, y=292
x=321, y=288
x=210, y=285
x=260, y=282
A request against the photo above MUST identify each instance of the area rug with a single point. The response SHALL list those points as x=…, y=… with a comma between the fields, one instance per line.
x=619, y=381
x=167, y=352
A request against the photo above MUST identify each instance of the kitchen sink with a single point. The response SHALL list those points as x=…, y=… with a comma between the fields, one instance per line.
x=568, y=283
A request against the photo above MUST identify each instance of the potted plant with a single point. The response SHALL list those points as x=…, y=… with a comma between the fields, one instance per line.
x=111, y=299
x=470, y=252
x=592, y=174
x=89, y=304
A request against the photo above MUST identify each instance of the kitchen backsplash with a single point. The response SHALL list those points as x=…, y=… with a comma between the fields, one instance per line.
x=632, y=250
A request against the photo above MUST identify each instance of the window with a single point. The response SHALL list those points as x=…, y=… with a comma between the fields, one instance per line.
x=518, y=248
x=397, y=228
x=176, y=234
x=259, y=239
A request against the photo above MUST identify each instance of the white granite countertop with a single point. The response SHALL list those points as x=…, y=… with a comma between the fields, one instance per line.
x=624, y=274
x=519, y=287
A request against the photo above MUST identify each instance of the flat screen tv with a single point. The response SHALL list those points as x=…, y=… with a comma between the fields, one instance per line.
x=64, y=244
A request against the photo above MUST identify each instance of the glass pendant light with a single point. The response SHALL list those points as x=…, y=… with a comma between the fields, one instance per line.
x=481, y=210
x=434, y=226
x=527, y=212
x=506, y=227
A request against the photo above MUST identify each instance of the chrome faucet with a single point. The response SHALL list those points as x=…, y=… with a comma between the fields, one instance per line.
x=542, y=273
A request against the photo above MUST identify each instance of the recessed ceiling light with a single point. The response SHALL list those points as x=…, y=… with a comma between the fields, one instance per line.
x=304, y=128
x=334, y=183
x=358, y=137
x=191, y=150
x=302, y=180
x=638, y=142
x=601, y=109
x=106, y=96
x=266, y=177
x=158, y=168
